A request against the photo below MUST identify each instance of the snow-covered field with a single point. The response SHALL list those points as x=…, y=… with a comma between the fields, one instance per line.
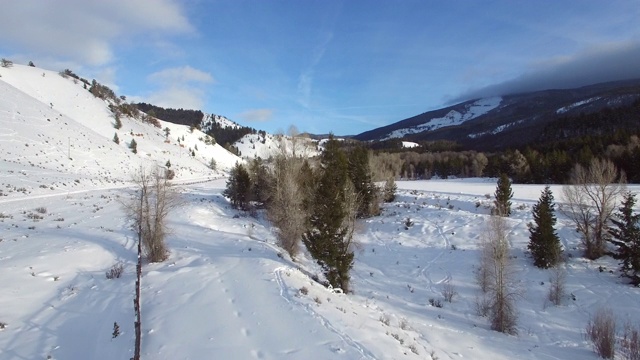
x=226, y=293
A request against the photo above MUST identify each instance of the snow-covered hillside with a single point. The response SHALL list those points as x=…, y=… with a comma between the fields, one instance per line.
x=267, y=145
x=210, y=119
x=54, y=130
x=452, y=118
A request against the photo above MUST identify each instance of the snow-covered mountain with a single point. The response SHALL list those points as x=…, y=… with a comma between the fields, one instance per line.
x=56, y=130
x=506, y=121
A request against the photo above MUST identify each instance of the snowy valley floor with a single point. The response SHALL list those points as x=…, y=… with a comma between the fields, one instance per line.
x=228, y=292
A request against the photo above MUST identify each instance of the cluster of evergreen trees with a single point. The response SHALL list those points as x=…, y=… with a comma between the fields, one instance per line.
x=622, y=230
x=316, y=204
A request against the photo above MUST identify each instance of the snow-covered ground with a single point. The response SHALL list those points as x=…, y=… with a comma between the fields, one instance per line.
x=227, y=291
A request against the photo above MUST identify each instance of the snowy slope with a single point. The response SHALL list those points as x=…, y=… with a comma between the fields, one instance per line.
x=210, y=119
x=52, y=126
x=452, y=118
x=256, y=145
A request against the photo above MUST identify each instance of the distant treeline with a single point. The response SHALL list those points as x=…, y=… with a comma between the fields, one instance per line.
x=610, y=133
x=176, y=116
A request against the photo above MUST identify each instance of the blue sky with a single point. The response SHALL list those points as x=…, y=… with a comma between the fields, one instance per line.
x=341, y=66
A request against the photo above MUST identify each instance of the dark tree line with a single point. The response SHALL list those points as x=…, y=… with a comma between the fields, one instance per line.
x=176, y=116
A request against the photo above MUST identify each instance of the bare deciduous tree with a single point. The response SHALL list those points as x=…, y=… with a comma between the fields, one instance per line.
x=498, y=272
x=286, y=208
x=557, y=285
x=153, y=200
x=590, y=201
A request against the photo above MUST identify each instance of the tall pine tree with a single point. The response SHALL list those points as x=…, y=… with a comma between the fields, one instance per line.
x=544, y=243
x=360, y=175
x=327, y=239
x=503, y=196
x=626, y=237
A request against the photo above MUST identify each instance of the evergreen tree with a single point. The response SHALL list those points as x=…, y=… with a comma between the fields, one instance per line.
x=116, y=139
x=239, y=187
x=133, y=145
x=544, y=243
x=626, y=237
x=360, y=176
x=503, y=196
x=390, y=188
x=327, y=239
x=118, y=123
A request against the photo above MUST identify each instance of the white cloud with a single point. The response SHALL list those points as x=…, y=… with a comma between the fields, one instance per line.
x=257, y=115
x=180, y=87
x=86, y=30
x=178, y=97
x=184, y=74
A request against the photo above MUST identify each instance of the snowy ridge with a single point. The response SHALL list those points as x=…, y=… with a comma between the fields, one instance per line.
x=209, y=119
x=564, y=109
x=497, y=130
x=452, y=118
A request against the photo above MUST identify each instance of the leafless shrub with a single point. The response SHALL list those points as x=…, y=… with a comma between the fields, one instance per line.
x=448, y=291
x=384, y=318
x=149, y=208
x=590, y=201
x=482, y=305
x=41, y=210
x=404, y=324
x=304, y=290
x=413, y=349
x=3, y=325
x=435, y=303
x=495, y=262
x=557, y=285
x=630, y=342
x=601, y=331
x=115, y=271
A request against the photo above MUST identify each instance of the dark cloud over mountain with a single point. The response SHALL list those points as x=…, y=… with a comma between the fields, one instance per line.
x=597, y=65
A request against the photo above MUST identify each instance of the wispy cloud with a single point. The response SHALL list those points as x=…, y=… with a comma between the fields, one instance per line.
x=256, y=115
x=305, y=81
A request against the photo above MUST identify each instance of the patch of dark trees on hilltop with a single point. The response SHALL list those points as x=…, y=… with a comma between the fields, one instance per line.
x=226, y=136
x=610, y=133
x=176, y=116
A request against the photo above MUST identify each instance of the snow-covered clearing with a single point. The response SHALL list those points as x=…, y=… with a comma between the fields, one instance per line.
x=226, y=293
